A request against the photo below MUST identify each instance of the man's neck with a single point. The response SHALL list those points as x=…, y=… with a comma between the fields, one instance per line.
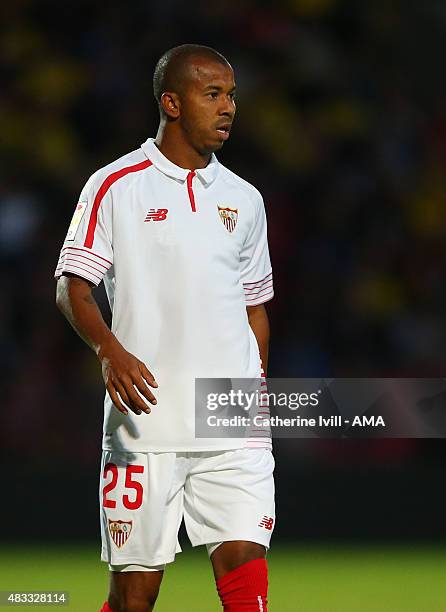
x=173, y=145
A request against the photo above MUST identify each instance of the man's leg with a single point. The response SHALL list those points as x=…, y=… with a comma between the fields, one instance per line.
x=241, y=575
x=133, y=591
x=229, y=506
x=147, y=534
x=230, y=555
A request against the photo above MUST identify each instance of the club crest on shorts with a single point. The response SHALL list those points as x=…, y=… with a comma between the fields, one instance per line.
x=229, y=217
x=120, y=531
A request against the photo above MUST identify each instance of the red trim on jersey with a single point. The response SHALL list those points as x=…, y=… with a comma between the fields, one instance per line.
x=263, y=300
x=259, y=281
x=68, y=266
x=264, y=285
x=91, y=253
x=250, y=297
x=101, y=193
x=260, y=295
x=83, y=263
x=79, y=257
x=190, y=191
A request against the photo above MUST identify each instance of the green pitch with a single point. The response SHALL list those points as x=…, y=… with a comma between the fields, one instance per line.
x=310, y=579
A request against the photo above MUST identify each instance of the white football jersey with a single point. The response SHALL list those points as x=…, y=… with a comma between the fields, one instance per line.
x=182, y=253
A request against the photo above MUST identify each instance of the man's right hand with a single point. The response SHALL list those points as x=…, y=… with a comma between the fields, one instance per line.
x=124, y=374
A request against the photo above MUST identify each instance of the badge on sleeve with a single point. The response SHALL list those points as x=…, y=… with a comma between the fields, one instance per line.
x=75, y=221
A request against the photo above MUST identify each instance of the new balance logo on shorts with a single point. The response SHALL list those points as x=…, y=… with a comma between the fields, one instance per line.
x=156, y=214
x=267, y=522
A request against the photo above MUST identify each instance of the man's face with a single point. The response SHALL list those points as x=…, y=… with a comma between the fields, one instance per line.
x=207, y=104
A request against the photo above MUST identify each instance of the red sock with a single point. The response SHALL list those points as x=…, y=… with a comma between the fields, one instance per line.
x=106, y=608
x=245, y=588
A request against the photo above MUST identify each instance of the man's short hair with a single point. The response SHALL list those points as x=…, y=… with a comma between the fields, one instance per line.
x=170, y=68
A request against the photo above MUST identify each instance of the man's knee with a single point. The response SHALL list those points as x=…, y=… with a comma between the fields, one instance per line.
x=134, y=591
x=230, y=555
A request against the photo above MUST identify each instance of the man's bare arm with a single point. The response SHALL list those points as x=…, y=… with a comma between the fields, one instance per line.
x=122, y=372
x=258, y=320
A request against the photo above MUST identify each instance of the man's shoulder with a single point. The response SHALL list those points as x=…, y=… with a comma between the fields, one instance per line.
x=234, y=180
x=119, y=167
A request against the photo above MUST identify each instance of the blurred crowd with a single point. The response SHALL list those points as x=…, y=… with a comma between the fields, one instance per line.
x=341, y=125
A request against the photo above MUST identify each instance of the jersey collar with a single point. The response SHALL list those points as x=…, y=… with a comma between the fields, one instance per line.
x=206, y=175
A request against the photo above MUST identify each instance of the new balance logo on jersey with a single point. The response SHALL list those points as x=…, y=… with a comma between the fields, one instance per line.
x=156, y=214
x=267, y=522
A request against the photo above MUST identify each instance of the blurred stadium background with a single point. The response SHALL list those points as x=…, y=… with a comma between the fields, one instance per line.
x=342, y=126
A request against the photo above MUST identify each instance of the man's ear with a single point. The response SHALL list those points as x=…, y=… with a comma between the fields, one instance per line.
x=170, y=104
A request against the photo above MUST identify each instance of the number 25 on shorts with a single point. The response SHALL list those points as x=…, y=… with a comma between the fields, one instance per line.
x=130, y=470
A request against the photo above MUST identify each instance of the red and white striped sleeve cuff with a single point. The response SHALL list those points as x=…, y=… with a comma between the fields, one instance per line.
x=260, y=291
x=82, y=262
x=261, y=436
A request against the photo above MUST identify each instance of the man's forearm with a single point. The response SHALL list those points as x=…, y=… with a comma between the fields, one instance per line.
x=123, y=373
x=258, y=320
x=76, y=302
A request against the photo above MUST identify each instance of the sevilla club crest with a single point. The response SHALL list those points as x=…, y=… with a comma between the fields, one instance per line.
x=120, y=531
x=229, y=217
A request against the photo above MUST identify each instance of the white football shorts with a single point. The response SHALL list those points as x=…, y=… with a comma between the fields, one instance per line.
x=222, y=495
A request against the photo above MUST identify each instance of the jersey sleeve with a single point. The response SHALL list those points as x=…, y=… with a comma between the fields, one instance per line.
x=256, y=272
x=87, y=250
